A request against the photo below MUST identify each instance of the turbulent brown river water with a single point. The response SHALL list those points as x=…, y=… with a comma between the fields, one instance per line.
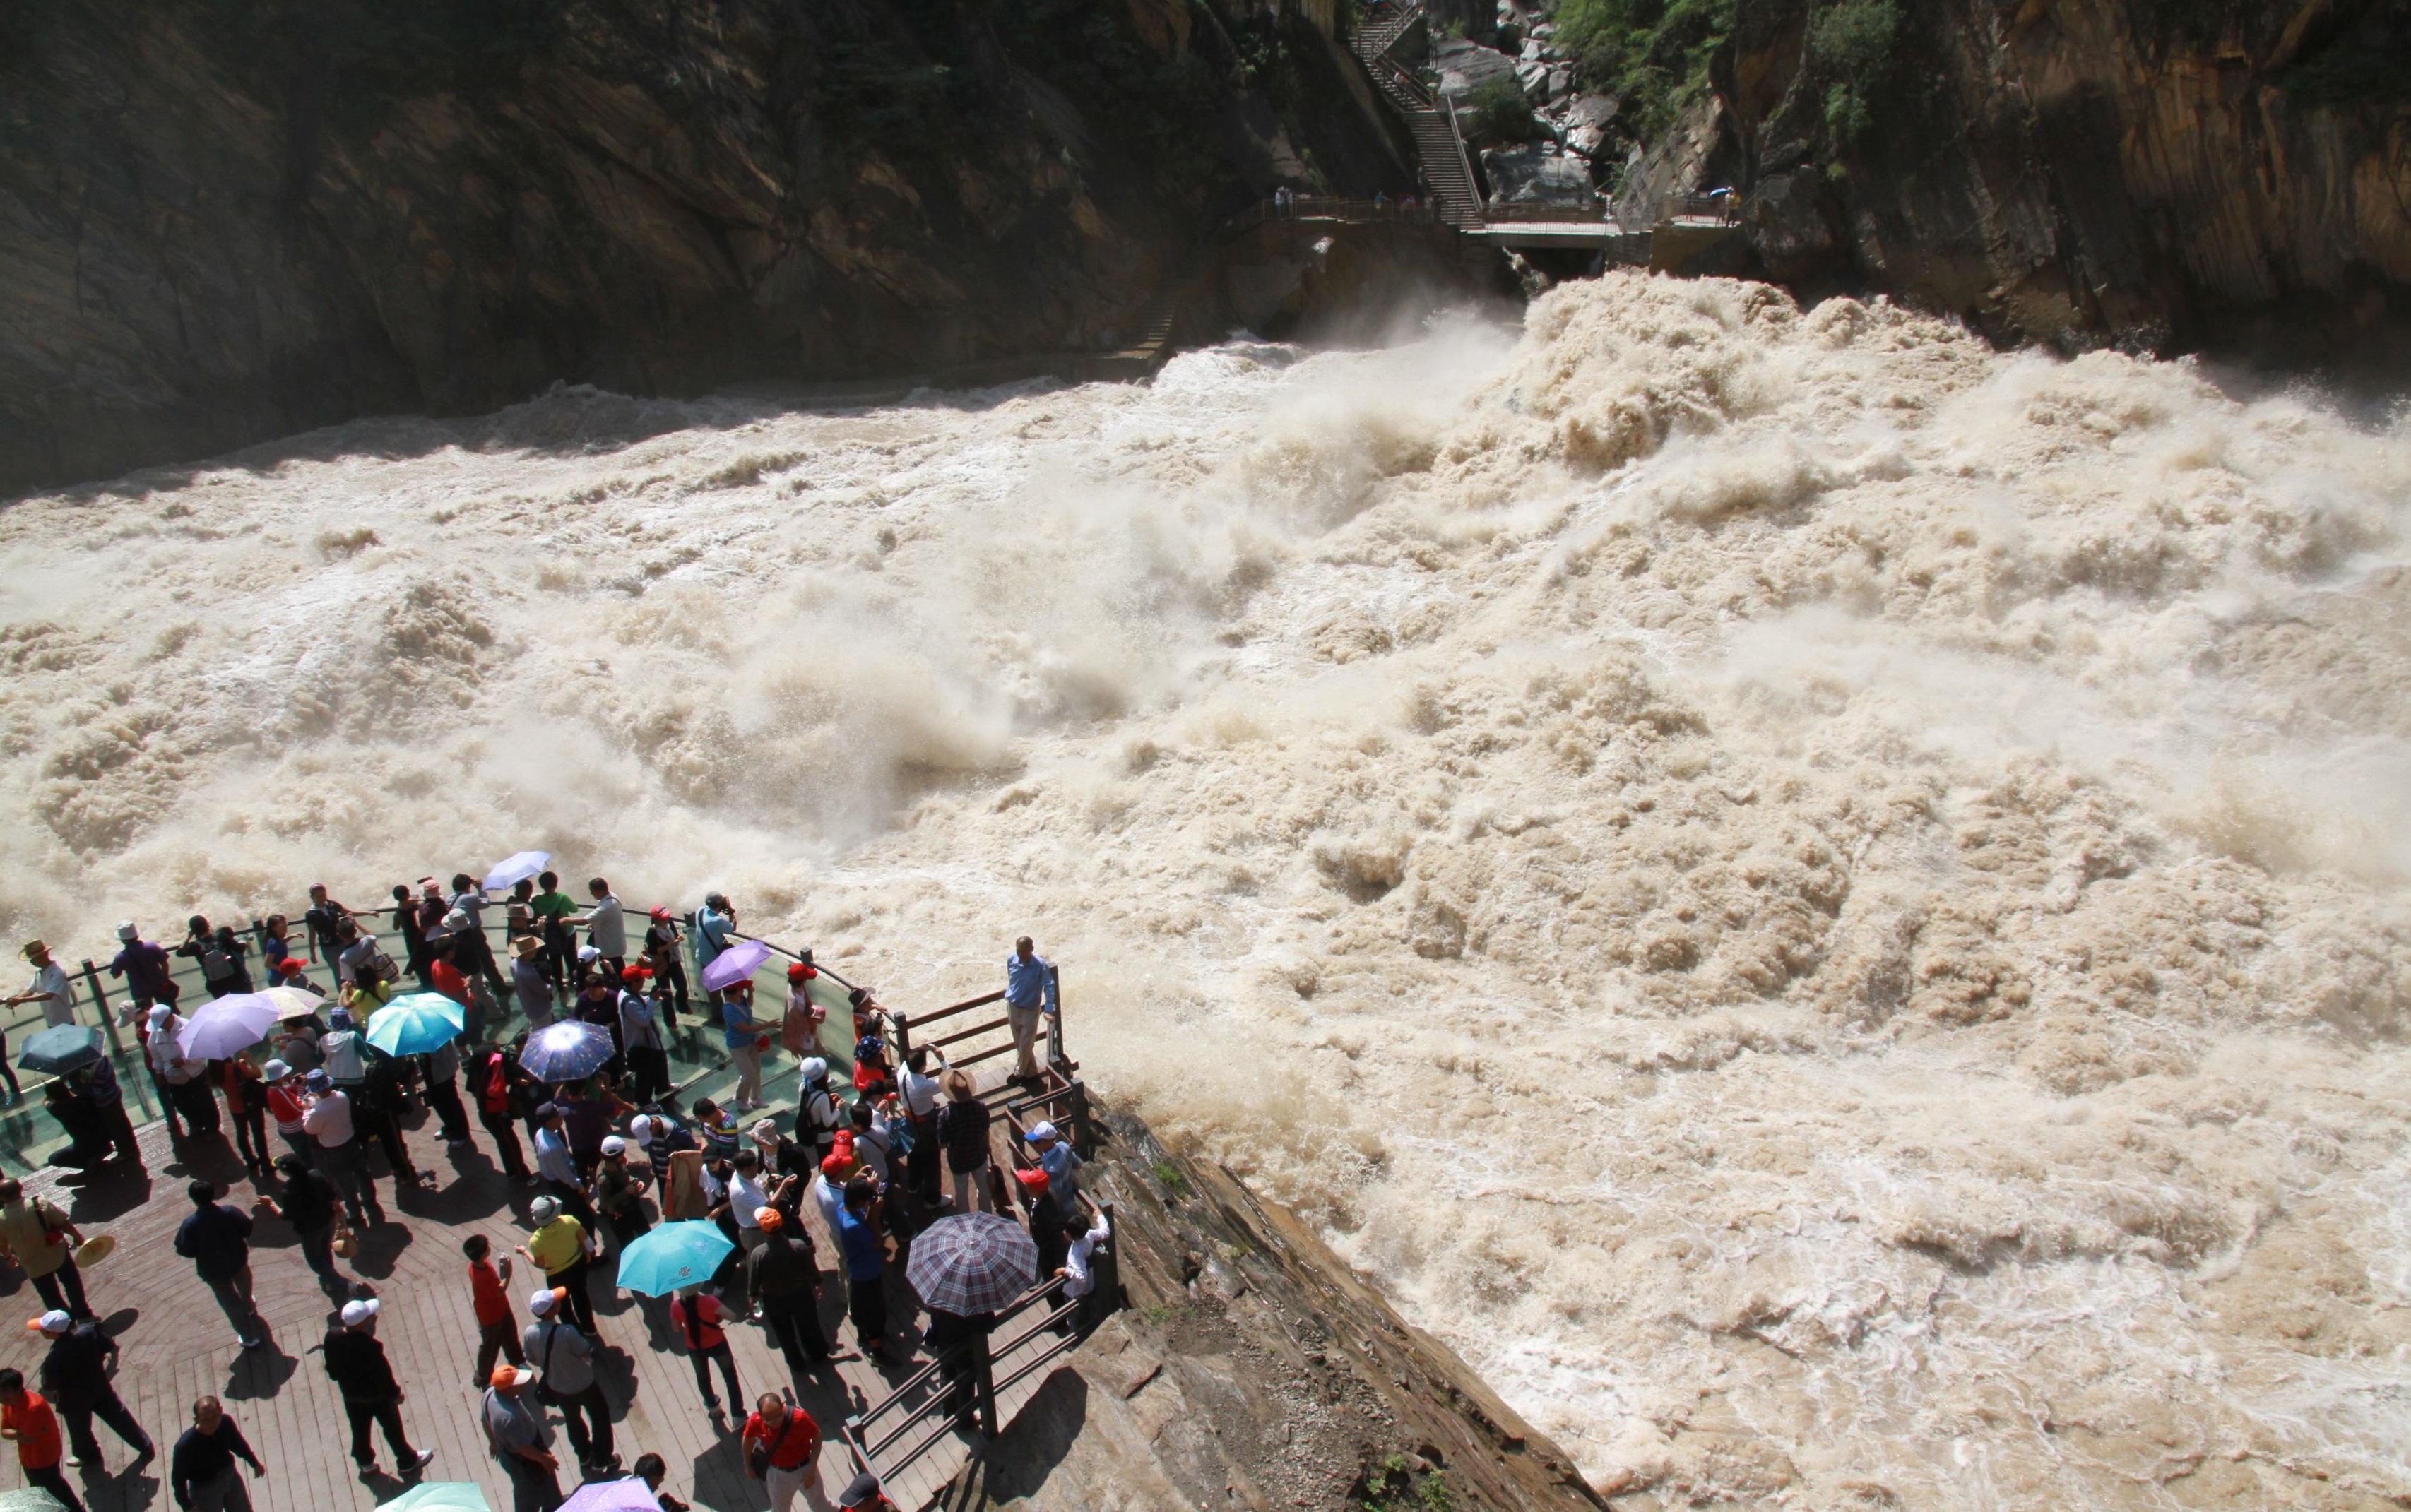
x=1826, y=904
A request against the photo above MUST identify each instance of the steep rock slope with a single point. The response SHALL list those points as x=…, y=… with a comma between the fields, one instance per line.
x=229, y=222
x=2226, y=173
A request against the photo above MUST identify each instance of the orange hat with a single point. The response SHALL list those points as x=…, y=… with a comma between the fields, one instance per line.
x=505, y=1373
x=769, y=1220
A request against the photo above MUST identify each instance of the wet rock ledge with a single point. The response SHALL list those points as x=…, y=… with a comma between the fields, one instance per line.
x=1251, y=1368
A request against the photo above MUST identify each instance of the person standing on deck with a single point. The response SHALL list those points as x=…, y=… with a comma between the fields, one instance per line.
x=371, y=1397
x=489, y=1296
x=308, y=1207
x=782, y=1446
x=415, y=954
x=661, y=953
x=962, y=1128
x=25, y=1230
x=216, y=1238
x=520, y=1439
x=202, y=1470
x=473, y=953
x=319, y=919
x=1029, y=991
x=564, y=1359
x=529, y=981
x=48, y=988
x=743, y=1038
x=75, y=1377
x=29, y=1423
x=554, y=908
x=145, y=967
x=712, y=923
x=640, y=1038
x=606, y=926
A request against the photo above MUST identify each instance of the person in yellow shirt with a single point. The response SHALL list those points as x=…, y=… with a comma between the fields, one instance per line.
x=561, y=1247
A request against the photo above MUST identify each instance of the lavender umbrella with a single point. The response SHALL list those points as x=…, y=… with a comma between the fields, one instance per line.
x=568, y=1052
x=629, y=1495
x=735, y=965
x=972, y=1262
x=226, y=1027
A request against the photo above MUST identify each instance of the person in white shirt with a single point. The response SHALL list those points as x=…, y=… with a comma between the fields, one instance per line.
x=606, y=927
x=50, y=986
x=1078, y=1270
x=918, y=1092
x=828, y=1195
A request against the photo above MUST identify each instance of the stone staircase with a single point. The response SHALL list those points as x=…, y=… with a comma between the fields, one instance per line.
x=1439, y=148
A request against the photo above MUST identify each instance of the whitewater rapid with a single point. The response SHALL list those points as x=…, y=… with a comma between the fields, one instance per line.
x=1824, y=903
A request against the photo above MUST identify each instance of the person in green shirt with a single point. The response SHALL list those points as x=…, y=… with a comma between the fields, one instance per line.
x=552, y=908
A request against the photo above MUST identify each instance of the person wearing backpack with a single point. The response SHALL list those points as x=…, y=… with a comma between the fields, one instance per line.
x=564, y=1359
x=783, y=1450
x=498, y=1071
x=207, y=948
x=700, y=1319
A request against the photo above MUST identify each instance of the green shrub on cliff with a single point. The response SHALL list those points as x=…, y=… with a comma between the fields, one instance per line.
x=1652, y=55
x=1496, y=114
x=1856, y=45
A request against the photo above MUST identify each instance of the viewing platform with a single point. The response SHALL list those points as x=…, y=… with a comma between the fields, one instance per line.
x=882, y=1414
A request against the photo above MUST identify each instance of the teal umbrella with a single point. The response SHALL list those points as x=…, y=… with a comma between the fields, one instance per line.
x=440, y=1496
x=61, y=1049
x=674, y=1255
x=416, y=1023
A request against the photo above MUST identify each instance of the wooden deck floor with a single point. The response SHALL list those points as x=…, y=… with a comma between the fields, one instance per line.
x=176, y=1345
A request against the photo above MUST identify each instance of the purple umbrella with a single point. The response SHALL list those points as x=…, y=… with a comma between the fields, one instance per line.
x=566, y=1051
x=629, y=1495
x=735, y=965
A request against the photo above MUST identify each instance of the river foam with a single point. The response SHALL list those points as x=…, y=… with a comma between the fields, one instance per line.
x=1825, y=903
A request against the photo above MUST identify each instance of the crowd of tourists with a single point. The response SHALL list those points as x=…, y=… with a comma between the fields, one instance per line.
x=831, y=1197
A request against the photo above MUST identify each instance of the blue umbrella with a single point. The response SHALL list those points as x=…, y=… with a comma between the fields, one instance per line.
x=61, y=1049
x=416, y=1023
x=567, y=1052
x=673, y=1255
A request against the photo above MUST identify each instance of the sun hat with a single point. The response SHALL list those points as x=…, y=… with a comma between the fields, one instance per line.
x=275, y=1070
x=544, y=1209
x=542, y=1302
x=815, y=1069
x=614, y=1144
x=358, y=1313
x=319, y=1081
x=33, y=948
x=508, y=1374
x=455, y=920
x=53, y=1322
x=338, y=1018
x=127, y=931
x=1040, y=1130
x=765, y=1131
x=527, y=945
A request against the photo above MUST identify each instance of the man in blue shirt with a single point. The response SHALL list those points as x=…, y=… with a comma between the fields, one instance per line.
x=1029, y=991
x=216, y=1238
x=866, y=1292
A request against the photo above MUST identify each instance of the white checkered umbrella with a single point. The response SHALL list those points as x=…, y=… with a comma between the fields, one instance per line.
x=972, y=1262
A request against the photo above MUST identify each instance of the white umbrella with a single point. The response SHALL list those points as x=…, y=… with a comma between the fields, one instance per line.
x=294, y=1003
x=518, y=869
x=226, y=1027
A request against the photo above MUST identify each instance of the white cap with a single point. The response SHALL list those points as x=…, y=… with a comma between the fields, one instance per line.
x=614, y=1144
x=1041, y=1130
x=54, y=1321
x=588, y=953
x=127, y=931
x=815, y=1069
x=540, y=1302
x=355, y=1313
x=160, y=1014
x=640, y=1127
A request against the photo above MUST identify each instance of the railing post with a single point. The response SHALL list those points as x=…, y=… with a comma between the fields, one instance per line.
x=903, y=1023
x=1055, y=1020
x=1106, y=1271
x=1084, y=1138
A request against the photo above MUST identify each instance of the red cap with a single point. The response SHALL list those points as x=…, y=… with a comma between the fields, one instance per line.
x=1034, y=1179
x=661, y=916
x=634, y=973
x=291, y=965
x=836, y=1165
x=800, y=972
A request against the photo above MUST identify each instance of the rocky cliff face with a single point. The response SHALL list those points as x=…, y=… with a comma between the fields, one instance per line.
x=1251, y=1368
x=2168, y=173
x=224, y=222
